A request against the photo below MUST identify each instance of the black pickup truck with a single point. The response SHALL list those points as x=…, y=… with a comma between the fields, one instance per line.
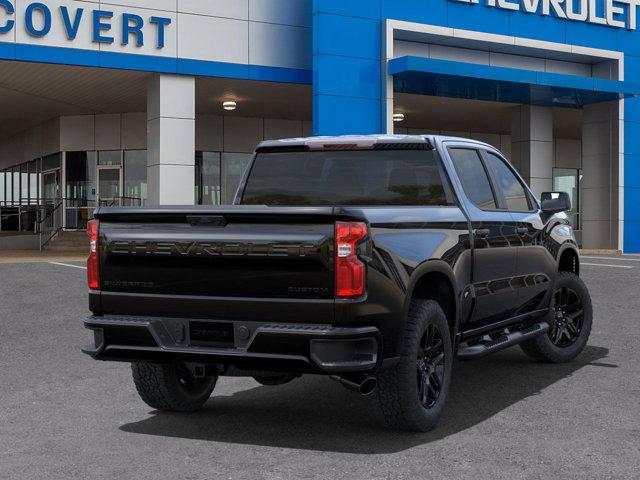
x=375, y=260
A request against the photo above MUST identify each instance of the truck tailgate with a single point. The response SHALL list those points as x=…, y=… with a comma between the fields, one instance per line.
x=209, y=258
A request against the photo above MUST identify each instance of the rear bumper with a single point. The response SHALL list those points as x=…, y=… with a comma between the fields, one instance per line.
x=302, y=348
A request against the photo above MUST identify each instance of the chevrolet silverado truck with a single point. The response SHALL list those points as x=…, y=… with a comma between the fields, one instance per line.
x=375, y=260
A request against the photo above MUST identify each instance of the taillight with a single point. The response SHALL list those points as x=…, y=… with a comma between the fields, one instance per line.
x=350, y=271
x=93, y=262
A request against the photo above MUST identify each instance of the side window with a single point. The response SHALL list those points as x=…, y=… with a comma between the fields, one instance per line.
x=473, y=177
x=514, y=193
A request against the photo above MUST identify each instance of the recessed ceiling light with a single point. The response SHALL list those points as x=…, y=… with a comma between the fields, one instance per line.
x=229, y=105
x=398, y=117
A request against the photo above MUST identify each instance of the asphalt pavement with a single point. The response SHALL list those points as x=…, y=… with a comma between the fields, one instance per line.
x=65, y=416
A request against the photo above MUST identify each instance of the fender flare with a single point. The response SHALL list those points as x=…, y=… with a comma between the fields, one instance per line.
x=431, y=266
x=568, y=245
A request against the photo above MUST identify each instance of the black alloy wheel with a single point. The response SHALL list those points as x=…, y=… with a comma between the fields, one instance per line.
x=569, y=318
x=430, y=366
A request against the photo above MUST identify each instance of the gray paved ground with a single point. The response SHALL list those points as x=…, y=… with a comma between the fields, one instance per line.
x=64, y=416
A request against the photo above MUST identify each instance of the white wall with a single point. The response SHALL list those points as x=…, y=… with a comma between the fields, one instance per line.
x=567, y=153
x=36, y=142
x=605, y=69
x=501, y=142
x=241, y=134
x=128, y=131
x=257, y=32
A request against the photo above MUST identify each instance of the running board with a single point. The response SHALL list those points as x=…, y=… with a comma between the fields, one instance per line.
x=485, y=347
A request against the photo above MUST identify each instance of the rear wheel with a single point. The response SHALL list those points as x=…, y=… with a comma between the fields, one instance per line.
x=171, y=387
x=570, y=322
x=412, y=394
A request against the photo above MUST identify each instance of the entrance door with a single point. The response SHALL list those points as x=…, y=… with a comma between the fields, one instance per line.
x=568, y=180
x=109, y=186
x=51, y=186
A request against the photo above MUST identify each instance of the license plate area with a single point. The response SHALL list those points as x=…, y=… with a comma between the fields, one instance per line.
x=211, y=334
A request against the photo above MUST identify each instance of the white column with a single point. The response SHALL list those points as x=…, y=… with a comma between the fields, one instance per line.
x=171, y=140
x=532, y=146
x=600, y=175
x=387, y=94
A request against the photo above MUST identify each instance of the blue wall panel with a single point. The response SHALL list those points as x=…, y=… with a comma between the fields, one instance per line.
x=631, y=137
x=632, y=204
x=628, y=42
x=352, y=77
x=477, y=17
x=347, y=36
x=345, y=115
x=349, y=8
x=431, y=12
x=632, y=171
x=631, y=233
x=550, y=29
x=589, y=35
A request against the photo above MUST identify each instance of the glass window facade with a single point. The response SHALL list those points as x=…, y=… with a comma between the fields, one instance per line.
x=34, y=181
x=80, y=176
x=568, y=180
x=51, y=162
x=135, y=177
x=218, y=176
x=110, y=157
x=2, y=187
x=207, y=185
x=39, y=184
x=233, y=168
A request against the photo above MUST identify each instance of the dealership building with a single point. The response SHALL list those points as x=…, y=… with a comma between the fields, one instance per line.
x=153, y=102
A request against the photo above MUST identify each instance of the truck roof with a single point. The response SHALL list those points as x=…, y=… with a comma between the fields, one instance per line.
x=359, y=141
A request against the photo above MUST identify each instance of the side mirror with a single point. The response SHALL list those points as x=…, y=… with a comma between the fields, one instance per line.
x=554, y=202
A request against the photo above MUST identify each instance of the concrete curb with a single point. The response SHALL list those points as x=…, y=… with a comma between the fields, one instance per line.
x=30, y=256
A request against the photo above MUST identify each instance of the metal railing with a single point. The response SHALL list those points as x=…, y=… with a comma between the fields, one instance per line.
x=49, y=221
x=121, y=202
x=46, y=217
x=20, y=214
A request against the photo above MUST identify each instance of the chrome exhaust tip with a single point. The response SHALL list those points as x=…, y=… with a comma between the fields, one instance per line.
x=363, y=384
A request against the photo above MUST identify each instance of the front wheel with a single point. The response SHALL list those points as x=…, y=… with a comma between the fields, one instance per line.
x=411, y=395
x=171, y=387
x=570, y=317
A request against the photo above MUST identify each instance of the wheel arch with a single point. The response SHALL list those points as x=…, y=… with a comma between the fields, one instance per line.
x=435, y=280
x=569, y=259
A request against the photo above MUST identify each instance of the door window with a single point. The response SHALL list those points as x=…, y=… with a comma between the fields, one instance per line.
x=515, y=195
x=109, y=186
x=50, y=186
x=473, y=177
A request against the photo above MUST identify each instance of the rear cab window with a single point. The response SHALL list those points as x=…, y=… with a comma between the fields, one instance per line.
x=348, y=177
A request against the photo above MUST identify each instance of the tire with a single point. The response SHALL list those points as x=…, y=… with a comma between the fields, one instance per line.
x=570, y=323
x=269, y=381
x=171, y=387
x=400, y=393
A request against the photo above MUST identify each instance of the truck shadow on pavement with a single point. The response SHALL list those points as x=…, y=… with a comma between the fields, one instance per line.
x=315, y=413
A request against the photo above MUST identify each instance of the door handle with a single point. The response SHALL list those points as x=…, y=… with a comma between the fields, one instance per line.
x=522, y=231
x=481, y=232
